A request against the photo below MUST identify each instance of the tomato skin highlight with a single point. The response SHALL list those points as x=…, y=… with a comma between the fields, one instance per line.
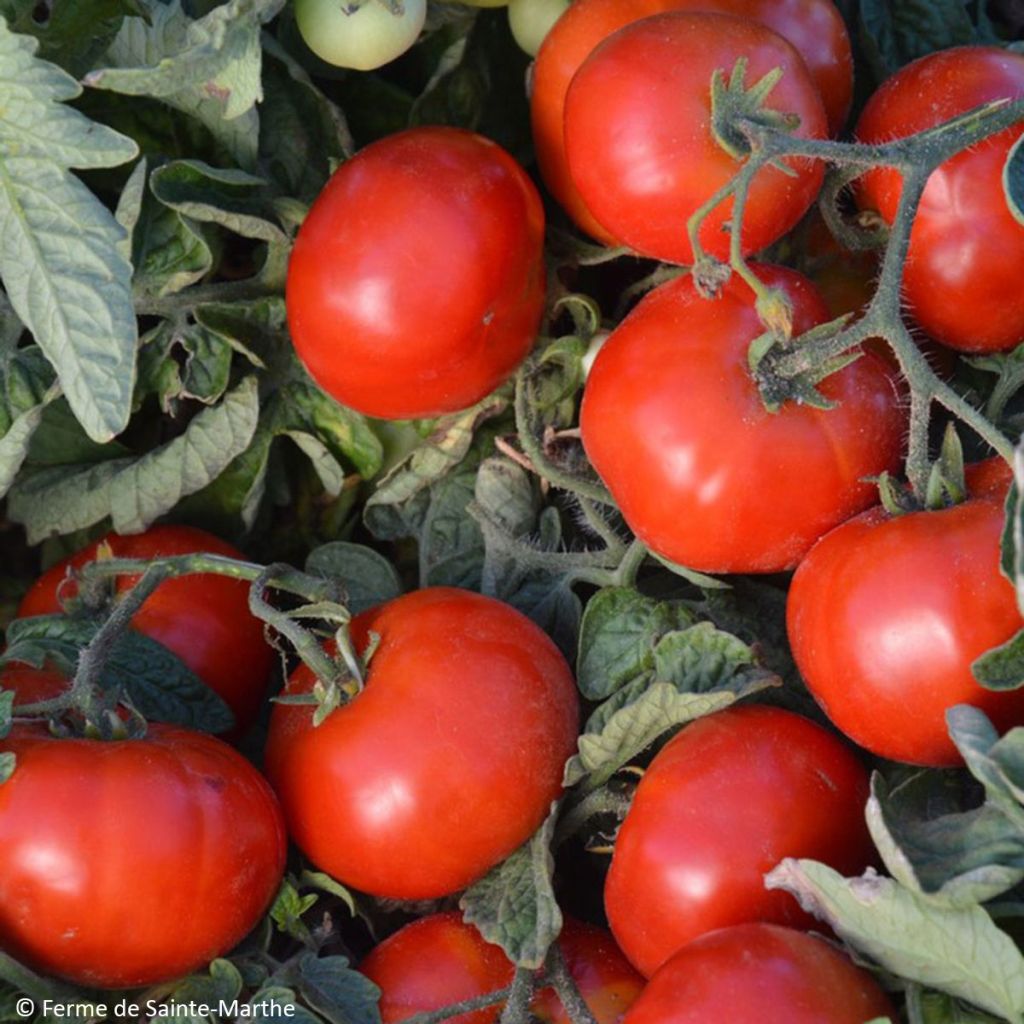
x=416, y=283
x=99, y=839
x=886, y=615
x=439, y=960
x=961, y=281
x=760, y=974
x=720, y=805
x=445, y=763
x=639, y=143
x=703, y=473
x=204, y=619
x=814, y=27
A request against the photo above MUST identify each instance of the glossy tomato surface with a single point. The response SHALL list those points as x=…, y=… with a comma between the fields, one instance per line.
x=962, y=278
x=719, y=806
x=814, y=27
x=416, y=283
x=448, y=759
x=440, y=960
x=886, y=615
x=704, y=474
x=639, y=143
x=760, y=974
x=204, y=619
x=132, y=862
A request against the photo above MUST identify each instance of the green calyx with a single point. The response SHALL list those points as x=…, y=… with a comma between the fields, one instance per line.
x=732, y=103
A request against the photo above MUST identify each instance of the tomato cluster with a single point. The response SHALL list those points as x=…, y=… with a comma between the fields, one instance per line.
x=416, y=287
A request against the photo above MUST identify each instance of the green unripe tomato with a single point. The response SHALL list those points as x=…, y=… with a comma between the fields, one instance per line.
x=360, y=35
x=532, y=20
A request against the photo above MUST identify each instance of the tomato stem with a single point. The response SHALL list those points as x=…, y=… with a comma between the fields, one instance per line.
x=457, y=1009
x=566, y=988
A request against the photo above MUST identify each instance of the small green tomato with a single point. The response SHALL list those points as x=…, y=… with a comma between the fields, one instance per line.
x=532, y=20
x=359, y=34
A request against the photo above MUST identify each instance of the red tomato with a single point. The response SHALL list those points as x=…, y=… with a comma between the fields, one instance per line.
x=886, y=615
x=760, y=974
x=32, y=684
x=814, y=27
x=203, y=619
x=132, y=862
x=704, y=474
x=638, y=135
x=416, y=283
x=962, y=277
x=440, y=960
x=721, y=805
x=446, y=762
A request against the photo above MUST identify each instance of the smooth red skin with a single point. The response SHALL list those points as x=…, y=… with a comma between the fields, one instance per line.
x=203, y=619
x=886, y=615
x=638, y=136
x=133, y=862
x=814, y=27
x=703, y=473
x=962, y=278
x=32, y=684
x=760, y=974
x=416, y=283
x=446, y=762
x=439, y=960
x=722, y=804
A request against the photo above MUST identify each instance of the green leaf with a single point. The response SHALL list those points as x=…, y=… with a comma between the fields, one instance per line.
x=1013, y=180
x=184, y=361
x=135, y=492
x=59, y=256
x=208, y=68
x=287, y=910
x=8, y=762
x=14, y=445
x=938, y=1008
x=221, y=982
x=234, y=199
x=302, y=133
x=168, y=251
x=702, y=658
x=1002, y=668
x=618, y=635
x=933, y=845
x=895, y=32
x=958, y=950
x=326, y=884
x=369, y=578
x=275, y=1003
x=336, y=991
x=6, y=712
x=632, y=729
x=998, y=764
x=514, y=905
x=155, y=679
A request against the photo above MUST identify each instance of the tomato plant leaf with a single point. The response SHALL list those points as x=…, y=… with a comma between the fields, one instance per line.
x=276, y=1003
x=930, y=1007
x=8, y=762
x=1002, y=668
x=618, y=634
x=208, y=68
x=6, y=712
x=958, y=950
x=701, y=658
x=302, y=133
x=222, y=982
x=931, y=844
x=369, y=578
x=59, y=257
x=169, y=252
x=287, y=910
x=1013, y=179
x=336, y=991
x=184, y=361
x=234, y=199
x=14, y=444
x=514, y=905
x=155, y=679
x=136, y=492
x=998, y=764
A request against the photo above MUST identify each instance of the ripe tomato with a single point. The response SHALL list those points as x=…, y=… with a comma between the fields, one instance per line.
x=886, y=615
x=101, y=841
x=638, y=133
x=720, y=805
x=203, y=619
x=32, y=684
x=440, y=960
x=362, y=35
x=704, y=474
x=760, y=974
x=417, y=280
x=961, y=280
x=445, y=763
x=814, y=27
